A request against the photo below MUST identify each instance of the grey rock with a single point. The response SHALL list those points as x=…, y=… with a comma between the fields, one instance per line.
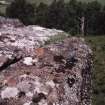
x=56, y=74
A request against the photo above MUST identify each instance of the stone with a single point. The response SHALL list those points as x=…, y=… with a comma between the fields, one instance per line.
x=3, y=59
x=9, y=92
x=27, y=103
x=28, y=61
x=3, y=102
x=4, y=22
x=50, y=83
x=33, y=73
x=24, y=86
x=29, y=94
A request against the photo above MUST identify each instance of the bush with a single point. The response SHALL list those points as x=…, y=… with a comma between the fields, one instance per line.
x=22, y=10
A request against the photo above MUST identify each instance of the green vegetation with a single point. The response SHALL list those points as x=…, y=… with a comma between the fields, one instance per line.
x=97, y=44
x=101, y=1
x=2, y=7
x=22, y=10
x=73, y=17
x=58, y=38
x=49, y=1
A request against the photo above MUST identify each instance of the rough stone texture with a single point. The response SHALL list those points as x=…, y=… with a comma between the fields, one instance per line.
x=56, y=74
x=9, y=92
x=6, y=22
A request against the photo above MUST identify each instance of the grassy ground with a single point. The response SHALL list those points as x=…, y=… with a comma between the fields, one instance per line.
x=97, y=43
x=2, y=9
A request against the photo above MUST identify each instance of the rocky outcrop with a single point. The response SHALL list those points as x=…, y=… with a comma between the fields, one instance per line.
x=6, y=22
x=32, y=74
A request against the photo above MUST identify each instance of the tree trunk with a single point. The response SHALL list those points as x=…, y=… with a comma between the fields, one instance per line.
x=82, y=25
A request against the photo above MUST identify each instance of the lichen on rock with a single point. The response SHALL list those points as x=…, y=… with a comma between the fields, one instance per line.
x=9, y=92
x=55, y=74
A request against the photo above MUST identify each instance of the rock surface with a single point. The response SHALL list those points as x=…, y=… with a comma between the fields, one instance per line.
x=56, y=74
x=9, y=92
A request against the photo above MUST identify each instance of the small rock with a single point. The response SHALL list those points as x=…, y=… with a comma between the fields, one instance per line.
x=24, y=86
x=42, y=102
x=28, y=61
x=9, y=92
x=27, y=103
x=29, y=94
x=50, y=83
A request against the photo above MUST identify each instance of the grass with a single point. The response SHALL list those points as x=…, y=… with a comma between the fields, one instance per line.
x=2, y=9
x=58, y=38
x=97, y=44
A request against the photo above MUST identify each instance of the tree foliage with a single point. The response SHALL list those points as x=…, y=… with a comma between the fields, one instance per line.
x=61, y=15
x=41, y=14
x=22, y=10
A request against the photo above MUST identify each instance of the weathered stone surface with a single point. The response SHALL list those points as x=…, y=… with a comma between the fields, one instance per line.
x=9, y=92
x=6, y=22
x=56, y=74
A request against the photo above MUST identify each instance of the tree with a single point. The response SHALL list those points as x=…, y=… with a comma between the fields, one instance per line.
x=101, y=21
x=80, y=12
x=22, y=10
x=41, y=14
x=56, y=14
x=73, y=17
x=92, y=17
